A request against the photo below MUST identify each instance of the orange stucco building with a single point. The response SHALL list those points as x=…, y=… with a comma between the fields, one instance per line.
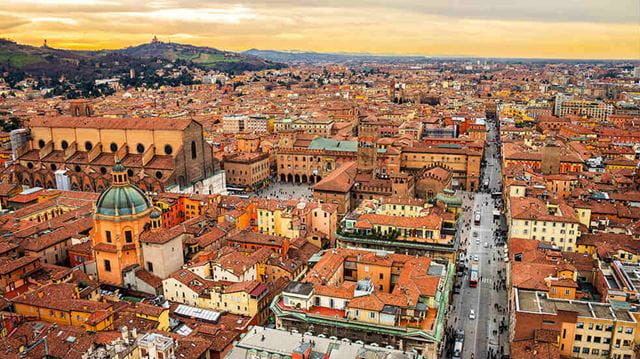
x=121, y=213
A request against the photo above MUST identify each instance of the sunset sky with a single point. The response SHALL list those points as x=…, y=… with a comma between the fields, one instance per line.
x=491, y=28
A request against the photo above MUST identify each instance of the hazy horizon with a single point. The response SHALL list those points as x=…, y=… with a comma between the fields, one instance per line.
x=571, y=29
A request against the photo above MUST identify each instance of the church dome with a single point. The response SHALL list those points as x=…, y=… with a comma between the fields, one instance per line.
x=122, y=198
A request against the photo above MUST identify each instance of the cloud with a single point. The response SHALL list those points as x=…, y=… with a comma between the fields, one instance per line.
x=8, y=21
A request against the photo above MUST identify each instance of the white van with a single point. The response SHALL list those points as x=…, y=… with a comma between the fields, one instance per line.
x=457, y=349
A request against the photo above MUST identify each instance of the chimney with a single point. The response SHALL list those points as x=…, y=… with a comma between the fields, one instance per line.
x=285, y=247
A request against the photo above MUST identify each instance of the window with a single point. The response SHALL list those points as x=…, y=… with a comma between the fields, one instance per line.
x=107, y=235
x=107, y=265
x=140, y=148
x=41, y=143
x=113, y=147
x=628, y=330
x=103, y=170
x=579, y=325
x=158, y=174
x=578, y=337
x=77, y=168
x=597, y=339
x=585, y=350
x=168, y=149
x=150, y=267
x=608, y=328
x=372, y=315
x=595, y=351
x=576, y=349
x=88, y=145
x=128, y=236
x=194, y=154
x=381, y=276
x=598, y=326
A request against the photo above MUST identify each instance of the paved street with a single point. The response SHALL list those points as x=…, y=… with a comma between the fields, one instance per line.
x=489, y=299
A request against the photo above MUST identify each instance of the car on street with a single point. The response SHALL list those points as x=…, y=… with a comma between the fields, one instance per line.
x=486, y=244
x=476, y=258
x=477, y=241
x=475, y=234
x=472, y=314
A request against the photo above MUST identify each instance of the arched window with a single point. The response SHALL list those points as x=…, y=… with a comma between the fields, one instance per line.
x=41, y=143
x=103, y=170
x=88, y=145
x=130, y=172
x=168, y=149
x=158, y=174
x=194, y=154
x=64, y=144
x=113, y=146
x=140, y=148
x=77, y=168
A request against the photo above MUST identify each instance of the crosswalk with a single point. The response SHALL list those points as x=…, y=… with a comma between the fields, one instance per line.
x=487, y=280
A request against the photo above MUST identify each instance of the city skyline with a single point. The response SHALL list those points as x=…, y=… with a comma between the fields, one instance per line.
x=593, y=29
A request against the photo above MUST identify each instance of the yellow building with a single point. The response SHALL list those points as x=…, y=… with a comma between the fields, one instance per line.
x=121, y=213
x=277, y=221
x=531, y=218
x=584, y=329
x=60, y=303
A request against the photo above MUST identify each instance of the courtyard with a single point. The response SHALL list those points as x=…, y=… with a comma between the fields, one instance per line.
x=285, y=191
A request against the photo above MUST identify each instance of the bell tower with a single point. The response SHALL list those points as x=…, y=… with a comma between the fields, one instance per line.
x=367, y=154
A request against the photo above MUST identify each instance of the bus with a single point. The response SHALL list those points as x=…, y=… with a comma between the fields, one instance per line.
x=473, y=275
x=476, y=217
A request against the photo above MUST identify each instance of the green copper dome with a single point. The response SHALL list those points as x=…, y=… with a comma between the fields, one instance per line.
x=122, y=200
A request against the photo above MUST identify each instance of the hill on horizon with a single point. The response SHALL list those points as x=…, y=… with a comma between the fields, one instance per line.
x=52, y=62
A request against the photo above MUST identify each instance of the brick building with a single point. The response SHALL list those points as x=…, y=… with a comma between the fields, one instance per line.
x=77, y=153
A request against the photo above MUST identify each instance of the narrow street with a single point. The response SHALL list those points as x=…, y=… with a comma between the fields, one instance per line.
x=483, y=335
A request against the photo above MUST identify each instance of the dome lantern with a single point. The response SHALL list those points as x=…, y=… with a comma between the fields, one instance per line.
x=119, y=175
